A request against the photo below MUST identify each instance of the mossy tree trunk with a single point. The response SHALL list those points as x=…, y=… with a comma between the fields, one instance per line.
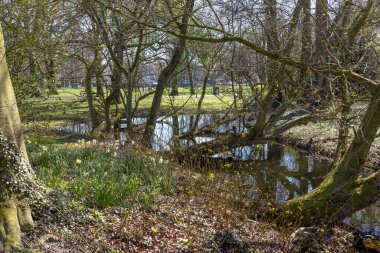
x=343, y=190
x=14, y=214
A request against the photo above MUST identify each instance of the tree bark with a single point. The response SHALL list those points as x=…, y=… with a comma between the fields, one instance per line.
x=306, y=37
x=193, y=126
x=343, y=190
x=174, y=91
x=166, y=74
x=14, y=215
x=321, y=20
x=190, y=74
x=89, y=96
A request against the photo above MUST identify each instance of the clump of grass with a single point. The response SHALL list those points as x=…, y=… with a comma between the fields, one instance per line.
x=101, y=178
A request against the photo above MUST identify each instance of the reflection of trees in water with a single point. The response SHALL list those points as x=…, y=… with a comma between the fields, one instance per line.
x=165, y=135
x=368, y=219
x=275, y=168
x=176, y=129
x=280, y=172
x=257, y=152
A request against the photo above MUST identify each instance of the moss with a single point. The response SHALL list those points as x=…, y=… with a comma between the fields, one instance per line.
x=8, y=214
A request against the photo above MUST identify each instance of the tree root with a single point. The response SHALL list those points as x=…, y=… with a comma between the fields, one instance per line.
x=14, y=217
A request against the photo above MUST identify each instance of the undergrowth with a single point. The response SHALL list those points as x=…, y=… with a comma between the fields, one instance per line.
x=101, y=177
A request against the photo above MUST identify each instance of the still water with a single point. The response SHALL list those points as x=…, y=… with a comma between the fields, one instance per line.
x=288, y=171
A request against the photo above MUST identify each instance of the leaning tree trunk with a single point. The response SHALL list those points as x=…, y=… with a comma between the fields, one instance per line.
x=166, y=73
x=14, y=214
x=343, y=191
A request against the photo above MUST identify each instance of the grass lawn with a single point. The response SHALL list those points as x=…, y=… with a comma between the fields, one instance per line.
x=70, y=104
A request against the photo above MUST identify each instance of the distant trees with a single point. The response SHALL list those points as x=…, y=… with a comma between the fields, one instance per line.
x=34, y=44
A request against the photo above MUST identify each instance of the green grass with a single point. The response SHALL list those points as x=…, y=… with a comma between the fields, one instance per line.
x=68, y=105
x=100, y=178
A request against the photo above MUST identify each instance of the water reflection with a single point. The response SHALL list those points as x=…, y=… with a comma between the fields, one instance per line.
x=367, y=220
x=289, y=172
x=246, y=153
x=167, y=128
x=81, y=128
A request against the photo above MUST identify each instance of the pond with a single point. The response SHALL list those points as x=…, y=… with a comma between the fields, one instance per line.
x=288, y=171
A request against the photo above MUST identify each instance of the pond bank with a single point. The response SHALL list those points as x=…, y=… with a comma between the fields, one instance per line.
x=185, y=220
x=321, y=140
x=189, y=218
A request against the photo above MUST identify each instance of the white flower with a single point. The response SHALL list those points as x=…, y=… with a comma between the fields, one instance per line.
x=44, y=148
x=78, y=161
x=114, y=154
x=94, y=141
x=161, y=160
x=133, y=143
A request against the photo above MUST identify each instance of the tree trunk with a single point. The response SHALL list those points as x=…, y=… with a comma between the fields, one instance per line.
x=107, y=108
x=193, y=126
x=321, y=20
x=174, y=91
x=343, y=190
x=306, y=38
x=98, y=68
x=264, y=105
x=14, y=215
x=190, y=73
x=128, y=109
x=90, y=99
x=166, y=74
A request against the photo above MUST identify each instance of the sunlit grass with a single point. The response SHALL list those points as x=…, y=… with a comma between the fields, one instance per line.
x=100, y=177
x=70, y=104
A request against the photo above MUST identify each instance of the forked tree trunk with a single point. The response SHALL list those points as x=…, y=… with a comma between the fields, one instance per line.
x=14, y=215
x=343, y=190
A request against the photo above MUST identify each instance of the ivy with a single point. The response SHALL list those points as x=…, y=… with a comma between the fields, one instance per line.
x=13, y=181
